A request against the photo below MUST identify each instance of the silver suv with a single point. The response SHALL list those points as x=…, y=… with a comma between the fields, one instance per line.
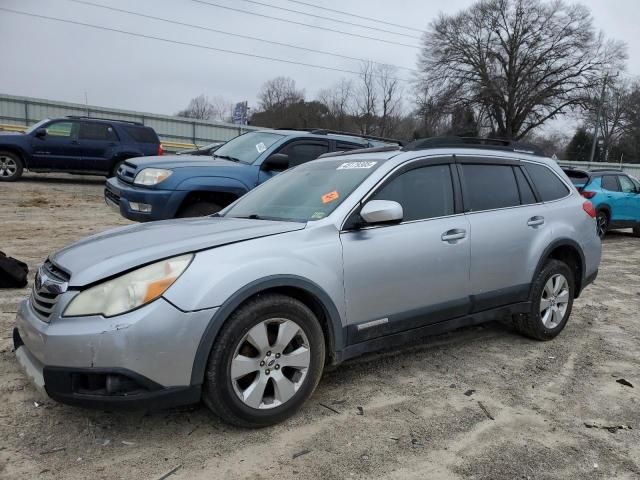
x=322, y=263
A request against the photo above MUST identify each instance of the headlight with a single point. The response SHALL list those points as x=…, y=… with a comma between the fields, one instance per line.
x=129, y=291
x=152, y=176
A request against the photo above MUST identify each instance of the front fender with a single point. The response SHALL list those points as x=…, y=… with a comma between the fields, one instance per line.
x=214, y=184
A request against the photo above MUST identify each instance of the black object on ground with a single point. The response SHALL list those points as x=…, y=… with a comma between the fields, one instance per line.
x=13, y=273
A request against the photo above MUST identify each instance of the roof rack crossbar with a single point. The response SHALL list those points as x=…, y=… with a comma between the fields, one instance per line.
x=474, y=142
x=386, y=148
x=79, y=117
x=325, y=131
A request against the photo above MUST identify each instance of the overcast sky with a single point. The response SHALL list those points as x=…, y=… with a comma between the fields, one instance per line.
x=58, y=61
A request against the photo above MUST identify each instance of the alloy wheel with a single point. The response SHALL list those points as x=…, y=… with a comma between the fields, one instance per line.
x=270, y=363
x=8, y=167
x=554, y=301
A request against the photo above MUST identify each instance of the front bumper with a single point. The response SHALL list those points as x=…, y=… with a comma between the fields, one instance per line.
x=164, y=203
x=143, y=359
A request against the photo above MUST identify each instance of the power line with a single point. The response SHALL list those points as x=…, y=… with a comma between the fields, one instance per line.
x=255, y=2
x=323, y=52
x=304, y=24
x=355, y=15
x=188, y=44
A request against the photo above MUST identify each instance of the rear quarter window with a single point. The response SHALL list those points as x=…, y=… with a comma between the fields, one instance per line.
x=548, y=184
x=142, y=134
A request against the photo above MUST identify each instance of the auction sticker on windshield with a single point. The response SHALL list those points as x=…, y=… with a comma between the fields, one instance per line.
x=354, y=165
x=261, y=147
x=330, y=197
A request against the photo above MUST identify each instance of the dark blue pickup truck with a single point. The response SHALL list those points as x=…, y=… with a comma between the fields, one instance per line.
x=186, y=186
x=82, y=145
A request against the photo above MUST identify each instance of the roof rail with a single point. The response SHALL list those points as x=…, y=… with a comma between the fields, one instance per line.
x=87, y=117
x=474, y=142
x=387, y=148
x=325, y=131
x=616, y=170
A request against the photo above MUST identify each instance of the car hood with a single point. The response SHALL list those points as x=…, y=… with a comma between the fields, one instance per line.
x=11, y=134
x=179, y=161
x=114, y=251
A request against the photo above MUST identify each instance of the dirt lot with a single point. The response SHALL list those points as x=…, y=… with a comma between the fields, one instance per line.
x=425, y=410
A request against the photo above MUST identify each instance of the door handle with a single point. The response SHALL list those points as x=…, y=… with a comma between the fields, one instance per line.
x=453, y=235
x=74, y=142
x=535, y=221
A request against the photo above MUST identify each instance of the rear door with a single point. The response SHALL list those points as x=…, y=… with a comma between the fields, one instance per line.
x=59, y=148
x=402, y=276
x=614, y=197
x=97, y=141
x=508, y=230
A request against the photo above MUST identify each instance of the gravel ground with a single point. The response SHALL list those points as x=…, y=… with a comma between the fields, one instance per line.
x=480, y=403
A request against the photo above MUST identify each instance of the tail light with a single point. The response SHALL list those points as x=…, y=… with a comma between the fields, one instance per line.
x=160, y=149
x=587, y=194
x=588, y=207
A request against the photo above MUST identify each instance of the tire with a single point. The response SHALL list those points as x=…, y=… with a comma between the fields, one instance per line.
x=230, y=398
x=537, y=324
x=602, y=223
x=11, y=167
x=199, y=209
x=114, y=170
x=636, y=231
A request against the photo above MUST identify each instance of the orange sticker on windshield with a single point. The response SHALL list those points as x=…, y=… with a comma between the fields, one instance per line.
x=330, y=197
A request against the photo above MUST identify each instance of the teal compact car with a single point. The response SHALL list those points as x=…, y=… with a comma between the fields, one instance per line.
x=614, y=194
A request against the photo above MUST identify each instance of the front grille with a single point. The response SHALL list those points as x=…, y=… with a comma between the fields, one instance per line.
x=127, y=172
x=44, y=299
x=43, y=303
x=112, y=196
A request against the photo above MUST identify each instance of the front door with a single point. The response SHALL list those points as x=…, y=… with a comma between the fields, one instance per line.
x=59, y=148
x=630, y=210
x=615, y=198
x=403, y=276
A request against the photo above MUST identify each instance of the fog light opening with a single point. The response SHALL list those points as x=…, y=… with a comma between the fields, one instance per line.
x=140, y=207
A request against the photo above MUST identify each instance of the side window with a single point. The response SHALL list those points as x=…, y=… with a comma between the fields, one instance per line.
x=487, y=187
x=60, y=129
x=424, y=192
x=343, y=147
x=526, y=193
x=626, y=184
x=303, y=152
x=610, y=183
x=96, y=131
x=549, y=186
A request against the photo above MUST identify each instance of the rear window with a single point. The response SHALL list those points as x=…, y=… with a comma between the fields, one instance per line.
x=487, y=187
x=577, y=178
x=142, y=134
x=526, y=193
x=549, y=186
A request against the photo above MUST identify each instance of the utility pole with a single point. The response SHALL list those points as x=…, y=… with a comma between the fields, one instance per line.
x=597, y=124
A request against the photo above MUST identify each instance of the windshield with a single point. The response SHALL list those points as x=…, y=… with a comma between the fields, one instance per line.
x=305, y=193
x=246, y=148
x=35, y=126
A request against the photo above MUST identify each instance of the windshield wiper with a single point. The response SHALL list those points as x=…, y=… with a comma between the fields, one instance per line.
x=227, y=157
x=253, y=216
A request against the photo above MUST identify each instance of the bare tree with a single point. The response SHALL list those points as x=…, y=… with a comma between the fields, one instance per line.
x=199, y=107
x=279, y=92
x=616, y=113
x=366, y=99
x=338, y=100
x=221, y=109
x=521, y=62
x=390, y=92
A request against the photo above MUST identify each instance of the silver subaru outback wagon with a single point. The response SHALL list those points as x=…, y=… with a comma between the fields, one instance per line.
x=327, y=261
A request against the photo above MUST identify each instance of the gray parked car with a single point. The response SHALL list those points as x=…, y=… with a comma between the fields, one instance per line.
x=322, y=263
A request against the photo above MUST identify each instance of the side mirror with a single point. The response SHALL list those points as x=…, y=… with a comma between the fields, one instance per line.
x=277, y=161
x=382, y=211
x=41, y=132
